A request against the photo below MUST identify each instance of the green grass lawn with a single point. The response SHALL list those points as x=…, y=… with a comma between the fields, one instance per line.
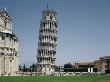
x=56, y=79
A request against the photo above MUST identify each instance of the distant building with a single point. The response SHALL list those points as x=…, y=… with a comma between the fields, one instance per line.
x=84, y=65
x=8, y=46
x=102, y=65
x=47, y=42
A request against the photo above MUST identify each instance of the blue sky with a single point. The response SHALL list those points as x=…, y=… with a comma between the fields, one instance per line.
x=84, y=28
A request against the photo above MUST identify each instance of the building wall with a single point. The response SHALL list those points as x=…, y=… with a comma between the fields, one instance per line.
x=98, y=65
x=104, y=66
x=9, y=46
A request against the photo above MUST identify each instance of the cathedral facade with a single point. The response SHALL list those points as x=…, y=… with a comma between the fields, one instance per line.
x=47, y=43
x=9, y=46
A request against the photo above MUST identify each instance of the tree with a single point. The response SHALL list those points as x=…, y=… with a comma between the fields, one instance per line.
x=24, y=68
x=33, y=67
x=68, y=65
x=20, y=68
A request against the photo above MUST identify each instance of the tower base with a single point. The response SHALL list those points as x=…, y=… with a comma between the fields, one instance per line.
x=45, y=69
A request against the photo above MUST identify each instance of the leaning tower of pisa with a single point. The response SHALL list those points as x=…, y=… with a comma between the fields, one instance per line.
x=47, y=42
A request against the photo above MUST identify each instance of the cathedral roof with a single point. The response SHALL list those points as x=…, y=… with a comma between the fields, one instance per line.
x=105, y=57
x=5, y=14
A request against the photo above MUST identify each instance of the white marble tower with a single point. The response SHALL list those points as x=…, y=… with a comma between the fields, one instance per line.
x=47, y=42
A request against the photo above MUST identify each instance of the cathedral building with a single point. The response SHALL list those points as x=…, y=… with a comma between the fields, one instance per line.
x=9, y=45
x=47, y=43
